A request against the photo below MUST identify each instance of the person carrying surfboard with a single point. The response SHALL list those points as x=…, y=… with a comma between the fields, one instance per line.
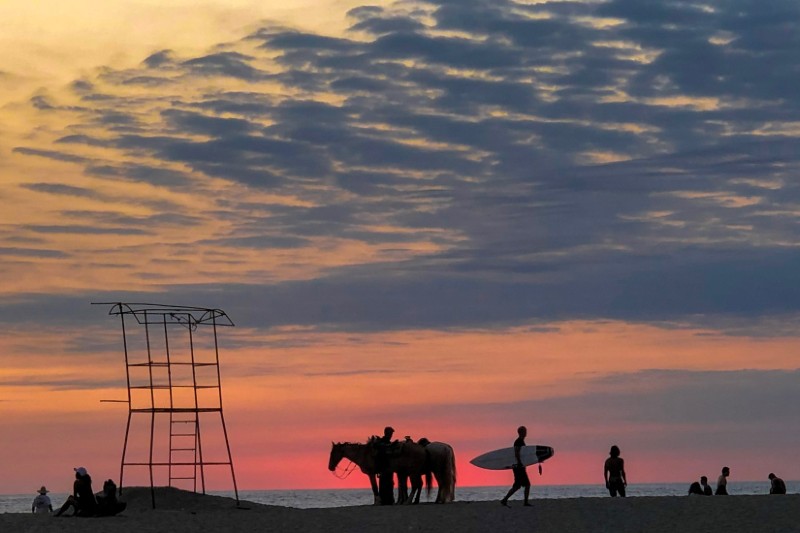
x=520, y=474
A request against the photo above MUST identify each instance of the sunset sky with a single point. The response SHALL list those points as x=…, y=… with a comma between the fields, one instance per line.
x=450, y=216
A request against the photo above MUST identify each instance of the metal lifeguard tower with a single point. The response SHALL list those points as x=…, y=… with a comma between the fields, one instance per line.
x=174, y=389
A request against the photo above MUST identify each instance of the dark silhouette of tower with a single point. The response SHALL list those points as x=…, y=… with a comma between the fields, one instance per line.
x=174, y=392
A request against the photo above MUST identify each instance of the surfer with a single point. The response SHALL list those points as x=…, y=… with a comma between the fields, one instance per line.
x=722, y=482
x=520, y=474
x=614, y=473
x=777, y=486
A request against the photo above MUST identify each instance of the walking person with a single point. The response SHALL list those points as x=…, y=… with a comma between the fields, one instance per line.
x=520, y=474
x=614, y=473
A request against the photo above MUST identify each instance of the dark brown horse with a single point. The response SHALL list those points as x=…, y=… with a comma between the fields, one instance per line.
x=407, y=459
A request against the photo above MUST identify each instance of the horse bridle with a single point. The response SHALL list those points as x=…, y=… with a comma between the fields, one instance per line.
x=347, y=470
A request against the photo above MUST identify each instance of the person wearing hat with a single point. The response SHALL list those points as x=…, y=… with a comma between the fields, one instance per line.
x=42, y=503
x=82, y=498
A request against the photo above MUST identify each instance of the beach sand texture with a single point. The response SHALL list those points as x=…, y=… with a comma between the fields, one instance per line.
x=185, y=512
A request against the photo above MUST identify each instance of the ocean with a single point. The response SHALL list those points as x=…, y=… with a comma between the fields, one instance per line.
x=320, y=498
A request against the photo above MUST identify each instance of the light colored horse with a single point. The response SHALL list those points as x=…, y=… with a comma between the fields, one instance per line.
x=407, y=459
x=442, y=462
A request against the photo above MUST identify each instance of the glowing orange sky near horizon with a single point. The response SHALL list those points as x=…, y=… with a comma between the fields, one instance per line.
x=284, y=406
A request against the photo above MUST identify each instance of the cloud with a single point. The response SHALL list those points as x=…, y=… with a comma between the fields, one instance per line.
x=483, y=162
x=60, y=189
x=31, y=252
x=226, y=64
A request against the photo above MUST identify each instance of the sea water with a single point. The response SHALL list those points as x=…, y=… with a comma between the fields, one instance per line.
x=320, y=498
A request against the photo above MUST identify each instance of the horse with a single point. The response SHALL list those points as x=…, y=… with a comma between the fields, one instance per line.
x=359, y=455
x=407, y=459
x=442, y=462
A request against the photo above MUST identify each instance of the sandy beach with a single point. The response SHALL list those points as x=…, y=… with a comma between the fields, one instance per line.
x=181, y=511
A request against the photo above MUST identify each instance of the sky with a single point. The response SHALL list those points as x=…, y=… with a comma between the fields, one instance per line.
x=450, y=216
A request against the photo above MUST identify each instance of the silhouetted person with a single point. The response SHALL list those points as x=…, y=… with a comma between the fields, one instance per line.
x=82, y=498
x=695, y=488
x=41, y=503
x=107, y=502
x=722, y=482
x=614, y=473
x=705, y=486
x=520, y=474
x=383, y=467
x=777, y=486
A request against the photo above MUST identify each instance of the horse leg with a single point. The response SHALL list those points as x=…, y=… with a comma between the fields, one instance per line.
x=440, y=482
x=402, y=487
x=374, y=484
x=416, y=488
x=417, y=491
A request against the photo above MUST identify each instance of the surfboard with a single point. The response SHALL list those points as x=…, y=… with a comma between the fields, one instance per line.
x=504, y=458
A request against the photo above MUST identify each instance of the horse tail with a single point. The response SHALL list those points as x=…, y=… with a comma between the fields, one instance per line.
x=452, y=477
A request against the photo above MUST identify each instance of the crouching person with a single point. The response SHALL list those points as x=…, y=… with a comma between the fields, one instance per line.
x=107, y=502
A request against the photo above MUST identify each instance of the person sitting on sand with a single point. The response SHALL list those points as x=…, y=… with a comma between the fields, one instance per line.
x=520, y=474
x=695, y=488
x=777, y=486
x=722, y=482
x=706, y=487
x=614, y=473
x=107, y=502
x=82, y=499
x=41, y=503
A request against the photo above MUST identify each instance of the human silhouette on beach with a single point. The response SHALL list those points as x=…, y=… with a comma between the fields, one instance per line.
x=383, y=467
x=722, y=482
x=614, y=473
x=82, y=498
x=41, y=503
x=777, y=486
x=705, y=486
x=520, y=474
x=701, y=488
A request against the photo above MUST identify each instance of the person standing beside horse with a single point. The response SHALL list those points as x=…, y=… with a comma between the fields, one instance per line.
x=520, y=474
x=383, y=467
